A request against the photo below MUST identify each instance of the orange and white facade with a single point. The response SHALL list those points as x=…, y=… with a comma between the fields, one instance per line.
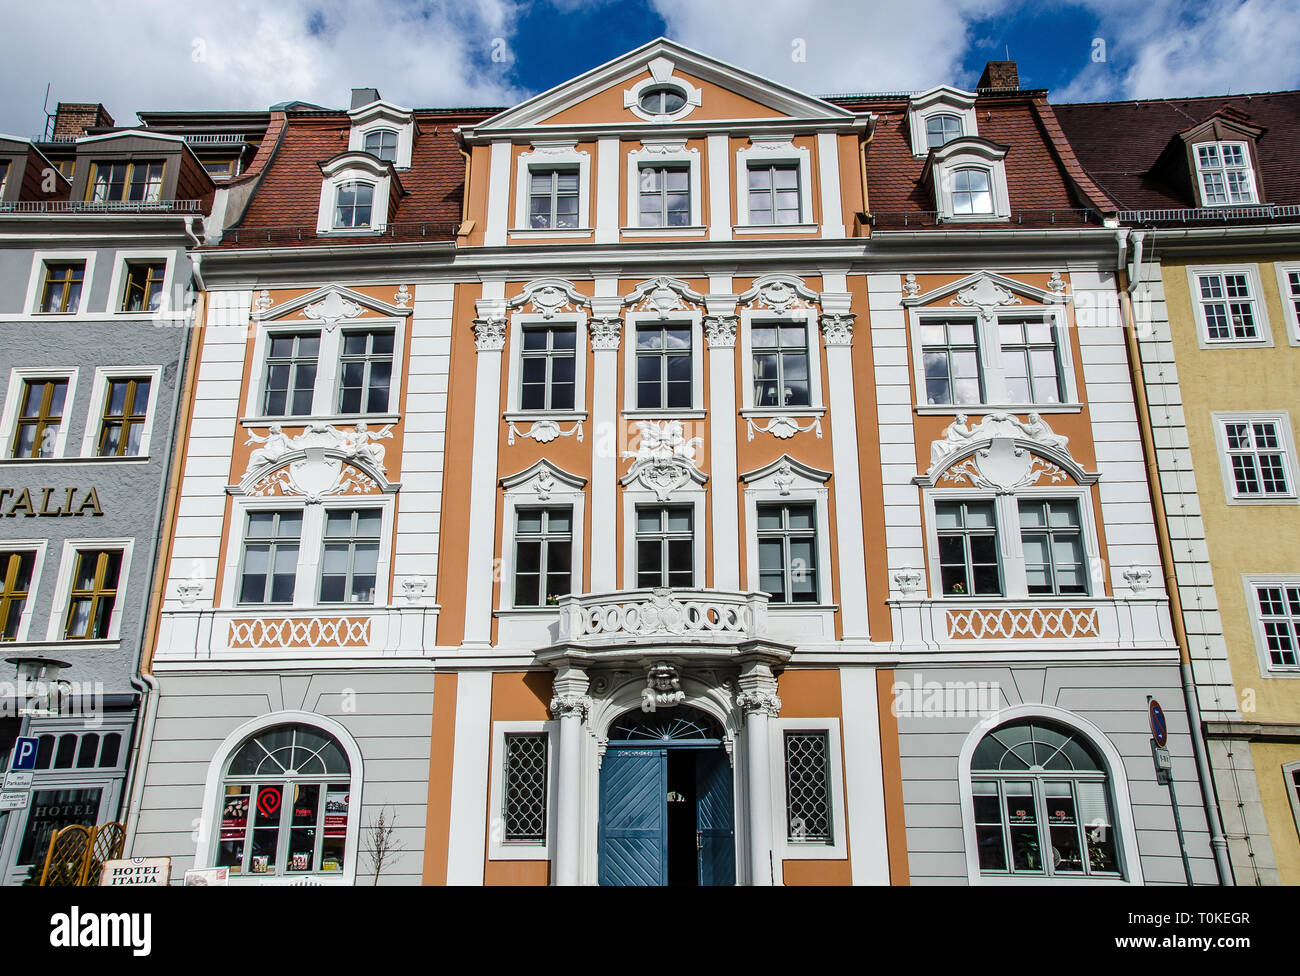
x=713, y=527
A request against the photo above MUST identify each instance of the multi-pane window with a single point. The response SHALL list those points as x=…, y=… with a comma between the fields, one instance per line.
x=1293, y=295
x=774, y=196
x=40, y=416
x=665, y=196
x=524, y=800
x=1224, y=169
x=144, y=286
x=1041, y=800
x=972, y=192
x=941, y=129
x=365, y=371
x=127, y=182
x=291, y=361
x=84, y=750
x=543, y=555
x=126, y=410
x=662, y=100
x=787, y=552
x=1052, y=539
x=547, y=366
x=4, y=178
x=553, y=199
x=353, y=202
x=950, y=352
x=15, y=589
x=382, y=144
x=663, y=366
x=285, y=804
x=270, y=563
x=968, y=548
x=808, y=787
x=61, y=289
x=780, y=365
x=222, y=168
x=350, y=563
x=1279, y=617
x=1258, y=458
x=1030, y=364
x=1228, y=306
x=94, y=593
x=665, y=546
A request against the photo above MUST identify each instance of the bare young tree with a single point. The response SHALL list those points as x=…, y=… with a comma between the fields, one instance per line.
x=382, y=848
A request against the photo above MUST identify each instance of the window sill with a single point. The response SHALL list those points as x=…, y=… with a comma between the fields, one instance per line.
x=984, y=218
x=952, y=409
x=783, y=412
x=527, y=416
x=1270, y=500
x=689, y=230
x=641, y=413
x=774, y=228
x=543, y=233
x=337, y=418
x=351, y=232
x=1260, y=343
x=77, y=459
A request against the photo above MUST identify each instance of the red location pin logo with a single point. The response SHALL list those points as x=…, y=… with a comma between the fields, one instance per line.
x=268, y=801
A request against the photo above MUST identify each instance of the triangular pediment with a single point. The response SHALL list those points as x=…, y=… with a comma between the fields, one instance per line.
x=988, y=290
x=331, y=304
x=713, y=90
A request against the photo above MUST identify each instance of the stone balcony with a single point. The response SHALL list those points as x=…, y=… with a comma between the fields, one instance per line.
x=658, y=614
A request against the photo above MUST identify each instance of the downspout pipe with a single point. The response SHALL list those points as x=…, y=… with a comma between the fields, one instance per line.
x=1129, y=276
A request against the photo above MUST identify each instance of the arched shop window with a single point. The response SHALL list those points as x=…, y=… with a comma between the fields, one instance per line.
x=1043, y=804
x=285, y=804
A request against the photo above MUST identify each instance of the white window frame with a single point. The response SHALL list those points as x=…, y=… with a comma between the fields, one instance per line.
x=359, y=167
x=988, y=343
x=498, y=848
x=18, y=375
x=837, y=850
x=661, y=75
x=1288, y=769
x=552, y=155
x=1265, y=332
x=383, y=115
x=940, y=101
x=514, y=367
x=1252, y=581
x=633, y=320
x=1126, y=847
x=327, y=371
x=762, y=487
x=207, y=844
x=36, y=281
x=117, y=284
x=692, y=495
x=1011, y=550
x=98, y=393
x=967, y=153
x=653, y=154
x=63, y=589
x=767, y=150
x=1290, y=299
x=807, y=317
x=1222, y=168
x=37, y=547
x=1282, y=420
x=310, y=549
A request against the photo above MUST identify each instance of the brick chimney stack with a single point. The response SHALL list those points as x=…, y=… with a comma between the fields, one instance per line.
x=74, y=118
x=1000, y=74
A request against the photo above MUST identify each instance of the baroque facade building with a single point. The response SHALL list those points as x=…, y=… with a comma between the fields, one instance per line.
x=673, y=478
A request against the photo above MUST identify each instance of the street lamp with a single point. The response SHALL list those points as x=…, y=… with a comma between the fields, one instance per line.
x=41, y=676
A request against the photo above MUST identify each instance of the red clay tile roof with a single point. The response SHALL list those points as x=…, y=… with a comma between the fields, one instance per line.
x=1119, y=143
x=283, y=209
x=1040, y=184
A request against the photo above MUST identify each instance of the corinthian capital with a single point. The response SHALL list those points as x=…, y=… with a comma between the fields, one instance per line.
x=755, y=702
x=720, y=330
x=564, y=706
x=605, y=332
x=837, y=328
x=490, y=334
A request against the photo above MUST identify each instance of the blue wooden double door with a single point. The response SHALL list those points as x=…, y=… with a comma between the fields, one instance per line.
x=667, y=815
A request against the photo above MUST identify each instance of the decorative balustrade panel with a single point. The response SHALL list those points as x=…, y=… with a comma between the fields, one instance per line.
x=263, y=632
x=1011, y=623
x=662, y=612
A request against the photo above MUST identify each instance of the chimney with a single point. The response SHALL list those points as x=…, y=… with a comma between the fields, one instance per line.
x=1000, y=74
x=72, y=119
x=364, y=96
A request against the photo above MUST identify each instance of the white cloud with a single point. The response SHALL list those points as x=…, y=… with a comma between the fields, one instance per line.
x=1161, y=50
x=245, y=54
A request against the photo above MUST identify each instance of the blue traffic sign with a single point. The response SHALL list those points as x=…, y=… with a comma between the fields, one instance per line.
x=23, y=756
x=1159, y=727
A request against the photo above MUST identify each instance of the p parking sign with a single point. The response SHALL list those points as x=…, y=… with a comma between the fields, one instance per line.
x=23, y=757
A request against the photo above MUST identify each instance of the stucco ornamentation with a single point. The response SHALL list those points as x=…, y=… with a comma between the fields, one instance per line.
x=784, y=427
x=664, y=459
x=331, y=310
x=490, y=334
x=987, y=296
x=542, y=431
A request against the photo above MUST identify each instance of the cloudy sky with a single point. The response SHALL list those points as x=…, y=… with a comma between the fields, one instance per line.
x=247, y=54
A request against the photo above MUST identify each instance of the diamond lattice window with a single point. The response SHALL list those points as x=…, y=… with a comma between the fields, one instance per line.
x=807, y=788
x=525, y=789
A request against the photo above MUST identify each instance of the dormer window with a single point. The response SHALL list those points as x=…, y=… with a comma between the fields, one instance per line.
x=662, y=100
x=1224, y=173
x=941, y=129
x=135, y=182
x=382, y=144
x=353, y=204
x=972, y=192
x=970, y=180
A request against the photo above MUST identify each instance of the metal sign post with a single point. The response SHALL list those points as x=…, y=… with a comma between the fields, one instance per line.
x=1164, y=764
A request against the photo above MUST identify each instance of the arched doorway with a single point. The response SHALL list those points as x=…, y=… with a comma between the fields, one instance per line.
x=667, y=811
